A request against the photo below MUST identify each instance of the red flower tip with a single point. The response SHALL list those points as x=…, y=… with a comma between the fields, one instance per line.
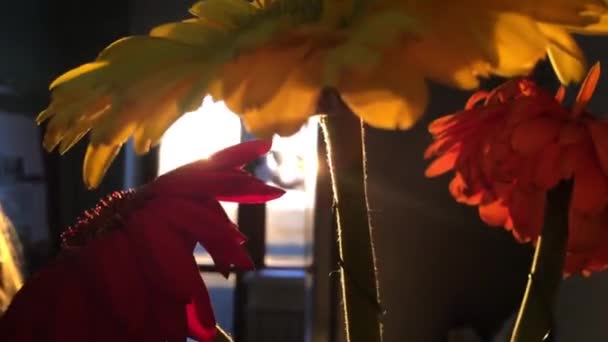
x=220, y=177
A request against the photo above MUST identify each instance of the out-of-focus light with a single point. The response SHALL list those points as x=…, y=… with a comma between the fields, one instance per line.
x=199, y=134
x=293, y=165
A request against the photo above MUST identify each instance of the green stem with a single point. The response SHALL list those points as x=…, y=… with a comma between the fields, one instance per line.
x=345, y=145
x=535, y=317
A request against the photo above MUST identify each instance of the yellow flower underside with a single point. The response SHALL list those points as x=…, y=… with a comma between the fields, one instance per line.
x=269, y=60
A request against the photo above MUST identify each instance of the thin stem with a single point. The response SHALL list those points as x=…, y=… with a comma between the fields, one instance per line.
x=535, y=317
x=345, y=145
x=221, y=335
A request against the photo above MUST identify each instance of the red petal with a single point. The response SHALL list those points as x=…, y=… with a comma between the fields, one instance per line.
x=561, y=94
x=571, y=133
x=27, y=317
x=167, y=251
x=494, y=213
x=442, y=164
x=599, y=135
x=547, y=173
x=109, y=265
x=440, y=124
x=590, y=192
x=523, y=109
x=476, y=98
x=206, y=222
x=586, y=91
x=171, y=318
x=74, y=313
x=229, y=185
x=462, y=192
x=531, y=136
x=585, y=231
x=527, y=208
x=201, y=322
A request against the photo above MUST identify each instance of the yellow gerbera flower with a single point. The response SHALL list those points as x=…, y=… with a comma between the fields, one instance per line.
x=268, y=60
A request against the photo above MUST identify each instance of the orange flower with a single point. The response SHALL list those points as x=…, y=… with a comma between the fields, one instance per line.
x=507, y=153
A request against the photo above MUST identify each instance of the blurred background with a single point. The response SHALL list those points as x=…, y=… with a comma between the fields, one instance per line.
x=441, y=269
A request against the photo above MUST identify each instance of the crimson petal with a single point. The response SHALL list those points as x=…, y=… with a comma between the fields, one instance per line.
x=110, y=265
x=201, y=321
x=208, y=224
x=166, y=251
x=229, y=185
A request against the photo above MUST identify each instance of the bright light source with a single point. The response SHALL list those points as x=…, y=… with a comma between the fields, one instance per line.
x=292, y=164
x=199, y=134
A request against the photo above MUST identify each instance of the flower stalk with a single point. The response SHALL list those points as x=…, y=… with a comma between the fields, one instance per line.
x=221, y=335
x=535, y=316
x=346, y=154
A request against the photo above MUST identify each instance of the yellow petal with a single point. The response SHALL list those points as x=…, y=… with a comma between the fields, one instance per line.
x=387, y=98
x=454, y=57
x=162, y=113
x=287, y=111
x=564, y=53
x=365, y=42
x=268, y=70
x=563, y=12
x=77, y=72
x=227, y=13
x=519, y=44
x=190, y=32
x=97, y=160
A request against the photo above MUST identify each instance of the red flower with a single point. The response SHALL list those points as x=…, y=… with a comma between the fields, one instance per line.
x=127, y=272
x=509, y=151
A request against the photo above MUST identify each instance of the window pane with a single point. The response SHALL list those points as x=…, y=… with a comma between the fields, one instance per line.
x=292, y=165
x=197, y=135
x=221, y=291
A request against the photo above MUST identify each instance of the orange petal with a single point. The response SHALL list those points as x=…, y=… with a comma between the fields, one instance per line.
x=531, y=136
x=590, y=192
x=525, y=108
x=443, y=164
x=599, y=135
x=575, y=263
x=571, y=156
x=439, y=125
x=462, y=192
x=494, y=213
x=561, y=93
x=476, y=98
x=571, y=133
x=586, y=91
x=585, y=231
x=547, y=173
x=527, y=208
